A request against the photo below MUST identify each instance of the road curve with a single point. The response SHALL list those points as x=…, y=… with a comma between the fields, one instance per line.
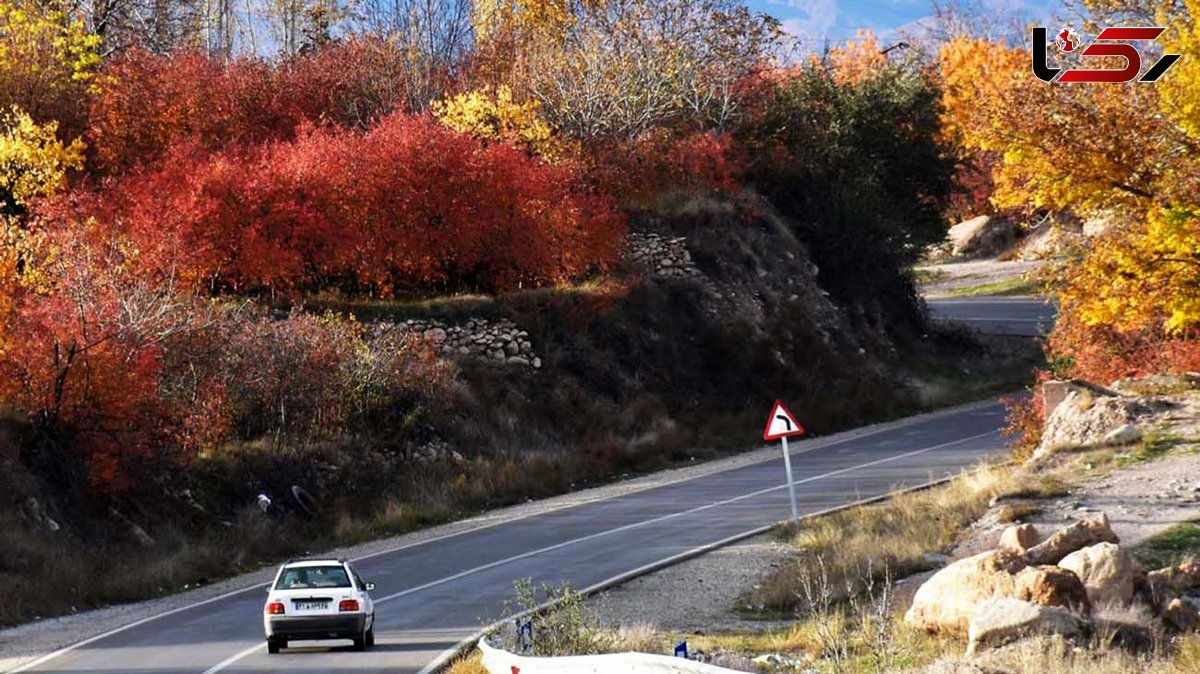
x=1023, y=316
x=430, y=595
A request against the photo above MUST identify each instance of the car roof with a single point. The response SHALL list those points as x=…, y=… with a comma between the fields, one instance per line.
x=314, y=562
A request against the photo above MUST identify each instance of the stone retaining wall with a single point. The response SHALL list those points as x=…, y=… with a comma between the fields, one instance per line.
x=501, y=342
x=665, y=256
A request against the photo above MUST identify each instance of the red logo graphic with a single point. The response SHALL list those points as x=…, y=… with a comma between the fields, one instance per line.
x=1112, y=41
x=1067, y=40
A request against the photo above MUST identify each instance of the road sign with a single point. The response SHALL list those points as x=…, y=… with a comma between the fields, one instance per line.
x=781, y=424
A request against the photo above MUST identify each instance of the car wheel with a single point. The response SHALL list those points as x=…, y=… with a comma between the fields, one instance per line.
x=370, y=640
x=272, y=646
x=360, y=642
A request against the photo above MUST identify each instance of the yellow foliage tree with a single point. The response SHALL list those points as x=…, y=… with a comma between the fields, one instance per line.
x=493, y=115
x=493, y=18
x=33, y=161
x=47, y=60
x=1180, y=88
x=1141, y=276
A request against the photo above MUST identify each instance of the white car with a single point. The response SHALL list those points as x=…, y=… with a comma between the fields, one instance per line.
x=314, y=599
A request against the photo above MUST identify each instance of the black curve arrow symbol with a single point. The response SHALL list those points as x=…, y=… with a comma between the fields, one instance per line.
x=787, y=422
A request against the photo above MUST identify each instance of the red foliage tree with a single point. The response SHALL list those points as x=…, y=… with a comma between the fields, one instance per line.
x=409, y=204
x=660, y=162
x=148, y=103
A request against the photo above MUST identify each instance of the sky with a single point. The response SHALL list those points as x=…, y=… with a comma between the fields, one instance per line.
x=817, y=22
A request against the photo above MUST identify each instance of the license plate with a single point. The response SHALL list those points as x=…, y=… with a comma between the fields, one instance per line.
x=311, y=605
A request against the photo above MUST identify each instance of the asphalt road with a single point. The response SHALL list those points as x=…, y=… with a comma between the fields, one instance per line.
x=431, y=595
x=1026, y=316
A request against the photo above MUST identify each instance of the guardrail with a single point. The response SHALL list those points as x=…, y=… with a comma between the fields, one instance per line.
x=497, y=661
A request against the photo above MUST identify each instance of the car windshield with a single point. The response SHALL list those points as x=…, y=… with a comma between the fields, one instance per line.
x=312, y=577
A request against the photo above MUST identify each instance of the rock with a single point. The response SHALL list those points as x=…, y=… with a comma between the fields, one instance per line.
x=1181, y=616
x=1085, y=532
x=517, y=360
x=1088, y=413
x=1054, y=392
x=998, y=621
x=981, y=236
x=1052, y=586
x=946, y=602
x=1174, y=580
x=1019, y=538
x=777, y=661
x=1042, y=241
x=512, y=348
x=1106, y=570
x=1123, y=435
x=436, y=336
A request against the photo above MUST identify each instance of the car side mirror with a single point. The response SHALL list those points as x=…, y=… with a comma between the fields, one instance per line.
x=370, y=586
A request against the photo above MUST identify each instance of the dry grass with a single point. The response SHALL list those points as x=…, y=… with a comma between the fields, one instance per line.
x=891, y=537
x=801, y=641
x=1054, y=656
x=472, y=664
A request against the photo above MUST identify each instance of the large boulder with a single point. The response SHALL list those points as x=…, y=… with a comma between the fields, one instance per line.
x=1106, y=570
x=1083, y=533
x=1052, y=586
x=984, y=235
x=1086, y=414
x=946, y=602
x=998, y=621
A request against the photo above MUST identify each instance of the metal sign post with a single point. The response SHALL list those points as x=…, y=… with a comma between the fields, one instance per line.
x=781, y=425
x=787, y=467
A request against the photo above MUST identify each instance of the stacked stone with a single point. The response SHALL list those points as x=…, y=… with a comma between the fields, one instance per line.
x=501, y=342
x=663, y=256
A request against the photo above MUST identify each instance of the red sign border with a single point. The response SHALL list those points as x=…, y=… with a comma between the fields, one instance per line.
x=771, y=417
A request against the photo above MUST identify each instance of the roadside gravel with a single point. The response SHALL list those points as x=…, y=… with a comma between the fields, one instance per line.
x=699, y=596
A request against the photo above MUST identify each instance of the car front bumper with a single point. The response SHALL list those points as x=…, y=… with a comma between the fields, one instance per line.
x=348, y=626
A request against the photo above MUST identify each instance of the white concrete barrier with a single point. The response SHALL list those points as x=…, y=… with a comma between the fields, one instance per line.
x=497, y=661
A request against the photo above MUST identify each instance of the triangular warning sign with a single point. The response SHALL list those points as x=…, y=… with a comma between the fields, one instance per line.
x=781, y=424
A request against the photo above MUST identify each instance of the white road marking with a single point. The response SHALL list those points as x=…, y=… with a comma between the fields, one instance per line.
x=550, y=548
